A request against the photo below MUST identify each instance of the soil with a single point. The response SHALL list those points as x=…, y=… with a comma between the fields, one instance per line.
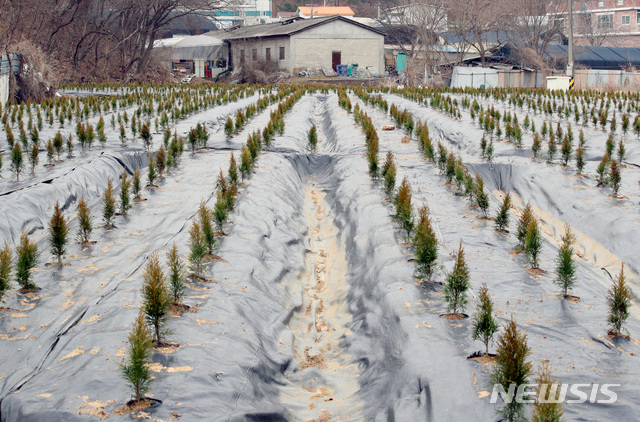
x=572, y=299
x=613, y=335
x=136, y=406
x=455, y=317
x=483, y=358
x=179, y=309
x=536, y=271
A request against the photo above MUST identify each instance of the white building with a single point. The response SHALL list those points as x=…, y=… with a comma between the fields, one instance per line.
x=242, y=12
x=319, y=43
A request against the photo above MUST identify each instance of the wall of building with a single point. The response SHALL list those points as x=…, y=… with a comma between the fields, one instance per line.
x=313, y=48
x=260, y=46
x=624, y=16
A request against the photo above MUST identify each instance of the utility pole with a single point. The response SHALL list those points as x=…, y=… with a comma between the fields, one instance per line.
x=570, y=50
x=311, y=4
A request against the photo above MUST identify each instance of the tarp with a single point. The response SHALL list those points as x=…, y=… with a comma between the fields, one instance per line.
x=313, y=310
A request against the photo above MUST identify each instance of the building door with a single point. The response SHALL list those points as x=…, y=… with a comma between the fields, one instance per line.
x=335, y=60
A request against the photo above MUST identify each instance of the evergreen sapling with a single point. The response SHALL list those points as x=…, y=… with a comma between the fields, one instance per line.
x=58, y=232
x=485, y=326
x=85, y=226
x=457, y=283
x=136, y=369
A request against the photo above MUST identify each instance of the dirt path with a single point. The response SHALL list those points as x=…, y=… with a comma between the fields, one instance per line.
x=323, y=384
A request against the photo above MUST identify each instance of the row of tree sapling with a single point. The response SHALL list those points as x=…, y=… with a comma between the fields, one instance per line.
x=511, y=366
x=85, y=131
x=158, y=295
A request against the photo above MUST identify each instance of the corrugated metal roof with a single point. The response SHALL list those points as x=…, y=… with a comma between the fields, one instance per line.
x=327, y=11
x=598, y=57
x=287, y=28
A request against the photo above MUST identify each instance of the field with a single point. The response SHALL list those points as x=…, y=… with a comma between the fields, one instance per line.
x=313, y=303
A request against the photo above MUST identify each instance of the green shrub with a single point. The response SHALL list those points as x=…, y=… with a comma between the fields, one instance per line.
x=136, y=184
x=511, y=367
x=151, y=175
x=523, y=225
x=426, y=244
x=389, y=174
x=34, y=157
x=125, y=198
x=109, y=205
x=565, y=266
x=6, y=259
x=580, y=159
x=176, y=274
x=547, y=407
x=602, y=169
x=619, y=301
x=198, y=248
x=481, y=197
x=161, y=159
x=220, y=211
x=51, y=152
x=533, y=243
x=502, y=218
x=312, y=138
x=27, y=258
x=485, y=326
x=145, y=134
x=17, y=163
x=58, y=144
x=245, y=162
x=204, y=214
x=136, y=369
x=615, y=176
x=233, y=169
x=228, y=127
x=156, y=298
x=566, y=148
x=457, y=283
x=58, y=232
x=404, y=210
x=85, y=226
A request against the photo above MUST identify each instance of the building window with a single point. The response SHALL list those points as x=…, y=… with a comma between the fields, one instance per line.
x=268, y=54
x=626, y=20
x=601, y=4
x=619, y=2
x=281, y=53
x=241, y=56
x=254, y=54
x=638, y=16
x=605, y=21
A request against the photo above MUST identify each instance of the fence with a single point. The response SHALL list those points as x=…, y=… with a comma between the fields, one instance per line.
x=593, y=78
x=478, y=77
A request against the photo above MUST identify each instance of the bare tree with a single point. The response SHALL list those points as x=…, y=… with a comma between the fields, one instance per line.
x=93, y=35
x=413, y=27
x=479, y=24
x=532, y=30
